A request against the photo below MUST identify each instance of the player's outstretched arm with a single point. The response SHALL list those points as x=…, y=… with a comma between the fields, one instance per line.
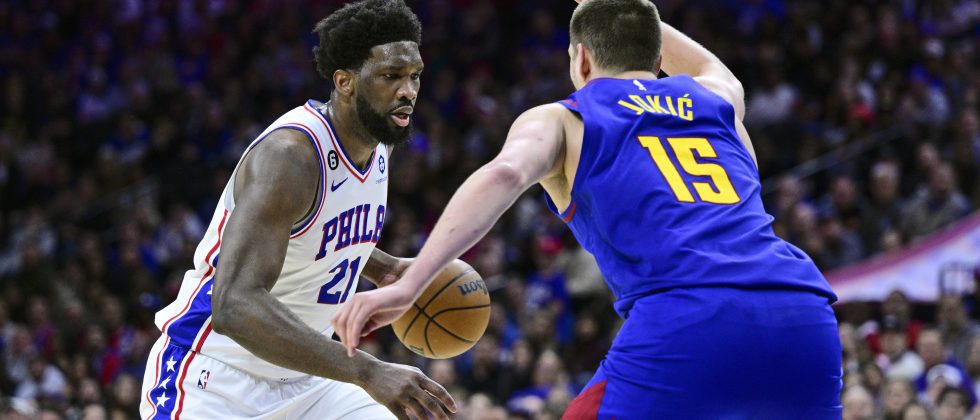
x=275, y=187
x=683, y=55
x=533, y=151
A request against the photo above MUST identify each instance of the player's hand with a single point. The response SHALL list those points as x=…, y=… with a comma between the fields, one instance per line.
x=395, y=273
x=368, y=311
x=407, y=392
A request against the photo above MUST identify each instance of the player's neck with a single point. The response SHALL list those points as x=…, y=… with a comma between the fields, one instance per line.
x=633, y=74
x=356, y=140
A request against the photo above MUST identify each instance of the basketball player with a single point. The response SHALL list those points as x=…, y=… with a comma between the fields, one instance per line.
x=297, y=224
x=655, y=177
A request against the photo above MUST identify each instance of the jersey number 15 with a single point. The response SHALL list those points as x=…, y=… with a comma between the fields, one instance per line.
x=686, y=149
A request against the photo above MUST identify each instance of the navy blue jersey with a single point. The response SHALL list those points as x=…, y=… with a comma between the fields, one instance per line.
x=667, y=196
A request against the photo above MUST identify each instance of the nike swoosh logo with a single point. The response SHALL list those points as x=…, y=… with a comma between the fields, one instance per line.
x=333, y=187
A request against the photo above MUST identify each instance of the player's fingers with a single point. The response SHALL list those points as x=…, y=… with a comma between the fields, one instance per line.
x=369, y=326
x=341, y=323
x=398, y=411
x=340, y=327
x=432, y=387
x=414, y=408
x=352, y=324
x=338, y=323
x=432, y=405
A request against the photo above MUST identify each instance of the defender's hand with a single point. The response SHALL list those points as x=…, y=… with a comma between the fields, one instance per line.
x=395, y=273
x=368, y=311
x=406, y=391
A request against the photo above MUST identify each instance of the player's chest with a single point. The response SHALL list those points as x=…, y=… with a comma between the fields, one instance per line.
x=350, y=217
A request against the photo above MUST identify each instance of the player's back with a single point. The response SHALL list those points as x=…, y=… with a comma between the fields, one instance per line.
x=667, y=196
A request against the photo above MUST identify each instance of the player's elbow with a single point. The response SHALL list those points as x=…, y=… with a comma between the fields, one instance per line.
x=227, y=313
x=506, y=174
x=738, y=91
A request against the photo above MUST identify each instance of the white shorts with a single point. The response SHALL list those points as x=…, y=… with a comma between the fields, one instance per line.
x=181, y=384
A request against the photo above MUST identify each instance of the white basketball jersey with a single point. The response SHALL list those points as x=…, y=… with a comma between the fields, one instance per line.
x=324, y=258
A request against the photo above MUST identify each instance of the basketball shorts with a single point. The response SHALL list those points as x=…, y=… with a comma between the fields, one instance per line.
x=208, y=389
x=720, y=353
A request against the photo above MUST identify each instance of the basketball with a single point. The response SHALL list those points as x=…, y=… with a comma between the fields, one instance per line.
x=449, y=317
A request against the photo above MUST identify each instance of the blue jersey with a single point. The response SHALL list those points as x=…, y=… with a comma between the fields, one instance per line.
x=666, y=195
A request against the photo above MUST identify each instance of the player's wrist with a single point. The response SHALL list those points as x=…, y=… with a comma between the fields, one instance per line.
x=365, y=367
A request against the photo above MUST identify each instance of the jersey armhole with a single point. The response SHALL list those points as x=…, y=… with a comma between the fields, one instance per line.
x=304, y=223
x=581, y=169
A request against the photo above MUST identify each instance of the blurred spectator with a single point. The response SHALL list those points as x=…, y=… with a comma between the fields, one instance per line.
x=936, y=205
x=773, y=101
x=897, y=305
x=953, y=404
x=973, y=364
x=587, y=349
x=487, y=375
x=958, y=330
x=582, y=276
x=884, y=210
x=549, y=384
x=858, y=403
x=843, y=202
x=443, y=369
x=939, y=365
x=840, y=245
x=896, y=359
x=872, y=377
x=895, y=395
x=43, y=381
x=480, y=407
x=521, y=365
x=916, y=411
x=546, y=292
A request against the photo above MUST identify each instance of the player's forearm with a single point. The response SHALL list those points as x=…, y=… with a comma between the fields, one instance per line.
x=683, y=55
x=265, y=327
x=470, y=214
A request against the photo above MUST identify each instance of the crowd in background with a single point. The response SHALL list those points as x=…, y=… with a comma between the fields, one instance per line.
x=120, y=122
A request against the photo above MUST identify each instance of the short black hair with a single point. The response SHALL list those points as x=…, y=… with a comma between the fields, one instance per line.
x=348, y=34
x=951, y=390
x=623, y=35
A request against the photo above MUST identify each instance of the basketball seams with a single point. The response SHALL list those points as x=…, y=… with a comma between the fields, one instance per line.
x=458, y=308
x=433, y=298
x=418, y=312
x=425, y=333
x=432, y=319
x=446, y=286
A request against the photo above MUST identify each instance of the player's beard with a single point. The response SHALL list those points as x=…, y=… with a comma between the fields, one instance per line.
x=380, y=126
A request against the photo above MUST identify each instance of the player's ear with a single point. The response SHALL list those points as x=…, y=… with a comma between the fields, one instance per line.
x=660, y=60
x=583, y=62
x=343, y=82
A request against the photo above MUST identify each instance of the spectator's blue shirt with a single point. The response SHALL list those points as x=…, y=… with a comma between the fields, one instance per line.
x=666, y=195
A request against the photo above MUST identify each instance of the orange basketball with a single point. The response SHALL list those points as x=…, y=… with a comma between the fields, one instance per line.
x=449, y=317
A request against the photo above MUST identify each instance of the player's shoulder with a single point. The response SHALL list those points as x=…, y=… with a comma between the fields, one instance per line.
x=548, y=114
x=288, y=143
x=284, y=154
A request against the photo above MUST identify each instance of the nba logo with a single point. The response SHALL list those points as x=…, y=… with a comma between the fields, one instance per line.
x=381, y=163
x=202, y=381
